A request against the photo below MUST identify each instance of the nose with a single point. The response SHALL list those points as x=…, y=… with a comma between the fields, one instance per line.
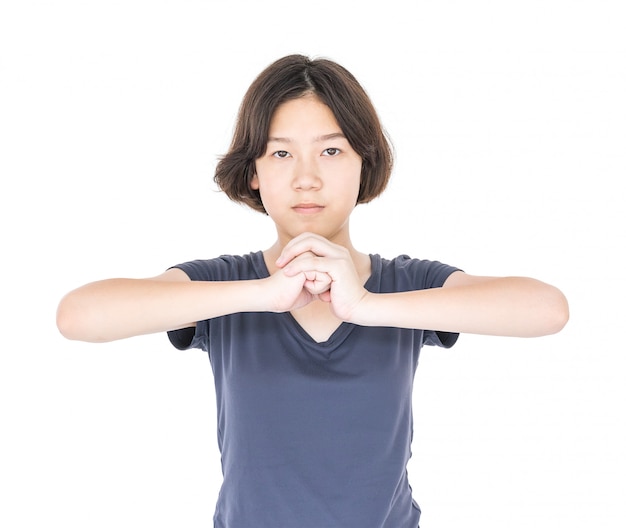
x=306, y=175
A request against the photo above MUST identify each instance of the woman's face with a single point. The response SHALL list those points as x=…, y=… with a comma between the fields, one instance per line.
x=309, y=176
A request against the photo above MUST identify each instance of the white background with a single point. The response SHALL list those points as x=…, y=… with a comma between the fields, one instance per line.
x=509, y=122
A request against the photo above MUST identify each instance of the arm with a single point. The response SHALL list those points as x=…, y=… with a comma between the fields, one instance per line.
x=118, y=308
x=505, y=306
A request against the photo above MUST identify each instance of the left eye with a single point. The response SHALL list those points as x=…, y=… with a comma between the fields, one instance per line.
x=331, y=151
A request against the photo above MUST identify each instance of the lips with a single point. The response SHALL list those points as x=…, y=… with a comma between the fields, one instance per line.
x=308, y=208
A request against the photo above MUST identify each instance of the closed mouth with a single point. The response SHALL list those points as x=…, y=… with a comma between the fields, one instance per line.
x=308, y=208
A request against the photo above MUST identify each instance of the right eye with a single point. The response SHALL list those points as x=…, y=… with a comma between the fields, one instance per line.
x=281, y=154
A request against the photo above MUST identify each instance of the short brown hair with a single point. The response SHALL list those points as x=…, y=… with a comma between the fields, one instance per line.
x=289, y=78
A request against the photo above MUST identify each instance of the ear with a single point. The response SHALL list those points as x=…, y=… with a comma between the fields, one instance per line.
x=254, y=182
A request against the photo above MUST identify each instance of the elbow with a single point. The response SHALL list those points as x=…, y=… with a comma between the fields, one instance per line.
x=563, y=314
x=67, y=319
x=72, y=320
x=557, y=314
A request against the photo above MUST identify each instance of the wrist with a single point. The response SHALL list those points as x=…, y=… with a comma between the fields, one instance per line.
x=260, y=298
x=364, y=312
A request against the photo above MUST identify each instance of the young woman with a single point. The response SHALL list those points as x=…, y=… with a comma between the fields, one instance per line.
x=313, y=344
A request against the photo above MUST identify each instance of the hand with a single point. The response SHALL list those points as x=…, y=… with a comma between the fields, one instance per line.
x=316, y=282
x=328, y=272
x=290, y=292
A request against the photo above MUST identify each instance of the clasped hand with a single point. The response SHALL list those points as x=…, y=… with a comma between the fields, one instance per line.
x=310, y=268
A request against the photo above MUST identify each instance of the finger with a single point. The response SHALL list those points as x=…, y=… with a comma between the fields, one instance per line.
x=317, y=288
x=325, y=296
x=317, y=282
x=309, y=266
x=306, y=262
x=304, y=243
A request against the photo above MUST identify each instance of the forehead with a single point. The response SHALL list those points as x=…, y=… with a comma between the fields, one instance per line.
x=307, y=113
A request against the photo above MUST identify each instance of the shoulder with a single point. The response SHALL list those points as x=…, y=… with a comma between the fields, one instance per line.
x=406, y=273
x=224, y=267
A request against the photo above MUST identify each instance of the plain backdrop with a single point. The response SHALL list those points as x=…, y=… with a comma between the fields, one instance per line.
x=509, y=124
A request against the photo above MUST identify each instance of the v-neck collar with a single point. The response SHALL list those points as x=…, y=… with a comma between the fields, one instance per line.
x=344, y=329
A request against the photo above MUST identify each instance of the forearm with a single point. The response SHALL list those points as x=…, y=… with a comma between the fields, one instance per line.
x=119, y=308
x=509, y=306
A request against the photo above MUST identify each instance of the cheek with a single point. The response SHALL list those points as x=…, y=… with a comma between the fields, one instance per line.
x=352, y=173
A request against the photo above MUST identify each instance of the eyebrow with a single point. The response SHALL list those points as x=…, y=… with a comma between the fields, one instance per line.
x=318, y=139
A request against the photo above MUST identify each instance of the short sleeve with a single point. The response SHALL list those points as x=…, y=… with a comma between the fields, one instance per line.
x=223, y=268
x=405, y=273
x=440, y=339
x=182, y=339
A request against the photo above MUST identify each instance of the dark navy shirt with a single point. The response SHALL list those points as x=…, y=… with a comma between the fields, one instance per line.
x=313, y=435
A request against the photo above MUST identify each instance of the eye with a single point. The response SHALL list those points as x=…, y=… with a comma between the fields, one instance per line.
x=331, y=152
x=281, y=154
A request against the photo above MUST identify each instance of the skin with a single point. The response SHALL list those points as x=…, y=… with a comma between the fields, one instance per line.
x=308, y=180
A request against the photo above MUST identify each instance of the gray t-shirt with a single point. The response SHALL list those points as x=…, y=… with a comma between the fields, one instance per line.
x=313, y=435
